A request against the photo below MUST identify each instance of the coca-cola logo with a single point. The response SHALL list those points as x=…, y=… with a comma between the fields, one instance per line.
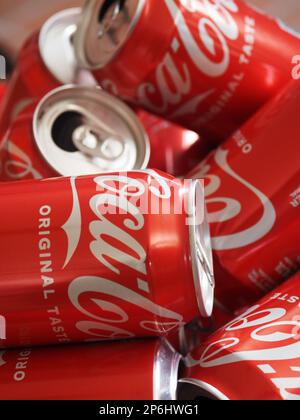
x=232, y=208
x=262, y=335
x=216, y=25
x=107, y=319
x=268, y=326
x=209, y=52
x=16, y=164
x=215, y=17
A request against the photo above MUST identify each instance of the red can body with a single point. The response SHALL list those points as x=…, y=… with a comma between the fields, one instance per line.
x=208, y=65
x=253, y=199
x=103, y=257
x=220, y=317
x=2, y=90
x=115, y=371
x=174, y=149
x=255, y=357
x=30, y=80
x=20, y=158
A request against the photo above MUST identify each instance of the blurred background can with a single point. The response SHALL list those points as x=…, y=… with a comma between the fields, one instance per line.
x=45, y=61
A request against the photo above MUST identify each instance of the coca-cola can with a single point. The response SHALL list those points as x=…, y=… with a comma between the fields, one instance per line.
x=255, y=357
x=174, y=149
x=113, y=256
x=253, y=200
x=46, y=61
x=73, y=130
x=135, y=370
x=207, y=65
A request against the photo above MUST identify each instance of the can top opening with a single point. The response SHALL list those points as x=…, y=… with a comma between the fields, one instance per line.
x=201, y=250
x=83, y=130
x=103, y=29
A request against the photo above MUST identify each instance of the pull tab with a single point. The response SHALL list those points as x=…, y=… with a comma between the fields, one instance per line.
x=96, y=139
x=103, y=145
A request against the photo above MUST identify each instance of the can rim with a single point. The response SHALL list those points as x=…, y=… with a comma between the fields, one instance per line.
x=201, y=250
x=84, y=34
x=200, y=388
x=105, y=100
x=59, y=57
x=166, y=372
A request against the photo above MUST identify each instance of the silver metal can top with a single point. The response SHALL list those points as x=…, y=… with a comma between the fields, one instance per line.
x=103, y=29
x=84, y=130
x=56, y=44
x=166, y=373
x=201, y=249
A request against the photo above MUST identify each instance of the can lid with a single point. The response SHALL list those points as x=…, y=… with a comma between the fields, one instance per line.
x=201, y=249
x=103, y=29
x=194, y=389
x=56, y=44
x=84, y=130
x=166, y=372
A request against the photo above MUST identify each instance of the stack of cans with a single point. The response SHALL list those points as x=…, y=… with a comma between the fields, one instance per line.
x=150, y=241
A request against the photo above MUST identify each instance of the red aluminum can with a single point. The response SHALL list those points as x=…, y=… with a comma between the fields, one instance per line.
x=46, y=61
x=255, y=357
x=73, y=130
x=113, y=256
x=207, y=65
x=174, y=149
x=134, y=370
x=253, y=200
